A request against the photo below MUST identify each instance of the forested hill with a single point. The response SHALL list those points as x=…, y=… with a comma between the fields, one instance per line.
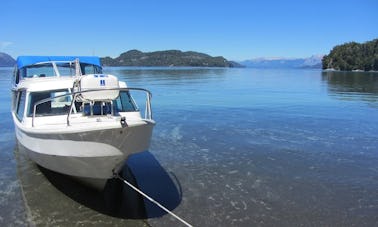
x=167, y=58
x=353, y=56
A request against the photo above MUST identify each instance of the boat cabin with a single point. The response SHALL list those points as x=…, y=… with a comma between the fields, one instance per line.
x=46, y=86
x=54, y=66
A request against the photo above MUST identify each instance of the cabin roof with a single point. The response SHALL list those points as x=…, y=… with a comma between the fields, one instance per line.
x=23, y=61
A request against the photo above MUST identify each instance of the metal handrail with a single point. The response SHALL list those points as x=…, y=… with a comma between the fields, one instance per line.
x=147, y=112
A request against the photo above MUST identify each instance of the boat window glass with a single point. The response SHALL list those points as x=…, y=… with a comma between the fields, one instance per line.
x=124, y=103
x=21, y=105
x=66, y=69
x=55, y=106
x=22, y=73
x=90, y=69
x=16, y=78
x=98, y=108
x=40, y=70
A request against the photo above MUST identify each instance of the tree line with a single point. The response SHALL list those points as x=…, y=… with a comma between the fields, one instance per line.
x=167, y=58
x=353, y=56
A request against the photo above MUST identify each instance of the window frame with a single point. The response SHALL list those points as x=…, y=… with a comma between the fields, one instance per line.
x=21, y=102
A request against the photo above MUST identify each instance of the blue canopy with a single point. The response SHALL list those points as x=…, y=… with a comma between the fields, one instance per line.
x=23, y=61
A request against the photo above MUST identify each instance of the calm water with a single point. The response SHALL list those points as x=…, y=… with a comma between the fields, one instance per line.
x=232, y=147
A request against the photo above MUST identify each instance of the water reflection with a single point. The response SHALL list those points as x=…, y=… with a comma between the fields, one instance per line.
x=352, y=82
x=116, y=200
x=164, y=71
x=156, y=182
x=279, y=148
x=171, y=75
x=352, y=85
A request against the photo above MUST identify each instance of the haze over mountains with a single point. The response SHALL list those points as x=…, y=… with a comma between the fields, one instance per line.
x=190, y=58
x=314, y=61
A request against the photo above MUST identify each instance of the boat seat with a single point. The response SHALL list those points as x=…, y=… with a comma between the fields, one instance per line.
x=106, y=109
x=43, y=108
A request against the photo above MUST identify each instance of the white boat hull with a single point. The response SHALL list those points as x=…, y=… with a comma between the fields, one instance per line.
x=90, y=155
x=73, y=119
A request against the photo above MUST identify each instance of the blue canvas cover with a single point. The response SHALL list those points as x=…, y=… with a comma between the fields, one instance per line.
x=23, y=61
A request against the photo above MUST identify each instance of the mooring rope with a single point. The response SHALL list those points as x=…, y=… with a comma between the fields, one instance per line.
x=152, y=200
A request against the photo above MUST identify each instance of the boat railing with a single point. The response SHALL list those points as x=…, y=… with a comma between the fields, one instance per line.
x=76, y=94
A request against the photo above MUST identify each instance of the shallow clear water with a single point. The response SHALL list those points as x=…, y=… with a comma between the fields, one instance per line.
x=242, y=147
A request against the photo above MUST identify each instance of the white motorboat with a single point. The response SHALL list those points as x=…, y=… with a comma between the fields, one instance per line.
x=73, y=119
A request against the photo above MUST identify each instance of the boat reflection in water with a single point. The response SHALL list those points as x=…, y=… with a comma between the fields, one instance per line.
x=116, y=200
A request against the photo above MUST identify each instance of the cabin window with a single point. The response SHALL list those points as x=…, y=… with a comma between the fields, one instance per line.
x=40, y=70
x=21, y=105
x=16, y=76
x=66, y=69
x=49, y=69
x=98, y=108
x=58, y=104
x=124, y=103
x=90, y=69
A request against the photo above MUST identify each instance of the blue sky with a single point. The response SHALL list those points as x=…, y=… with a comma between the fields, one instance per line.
x=237, y=30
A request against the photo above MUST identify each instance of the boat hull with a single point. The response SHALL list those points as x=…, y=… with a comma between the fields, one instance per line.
x=90, y=155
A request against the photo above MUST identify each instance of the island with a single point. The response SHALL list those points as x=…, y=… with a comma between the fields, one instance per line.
x=168, y=58
x=353, y=56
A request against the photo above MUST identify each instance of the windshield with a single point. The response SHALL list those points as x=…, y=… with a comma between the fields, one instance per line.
x=57, y=105
x=62, y=69
x=40, y=70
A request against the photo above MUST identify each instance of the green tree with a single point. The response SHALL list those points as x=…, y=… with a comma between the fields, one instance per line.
x=353, y=56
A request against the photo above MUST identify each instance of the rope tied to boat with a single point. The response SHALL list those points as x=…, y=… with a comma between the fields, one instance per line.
x=117, y=176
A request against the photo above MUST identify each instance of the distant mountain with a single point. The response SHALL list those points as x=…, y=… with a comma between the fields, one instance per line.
x=6, y=60
x=167, y=58
x=314, y=61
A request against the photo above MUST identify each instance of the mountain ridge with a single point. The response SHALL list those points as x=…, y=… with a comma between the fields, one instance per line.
x=191, y=58
x=6, y=60
x=311, y=62
x=167, y=58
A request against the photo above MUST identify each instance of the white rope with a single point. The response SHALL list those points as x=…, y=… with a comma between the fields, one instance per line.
x=152, y=200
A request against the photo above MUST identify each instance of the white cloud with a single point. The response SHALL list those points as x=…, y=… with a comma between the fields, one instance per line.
x=5, y=44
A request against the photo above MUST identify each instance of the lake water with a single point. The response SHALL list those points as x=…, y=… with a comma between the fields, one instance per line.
x=232, y=147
